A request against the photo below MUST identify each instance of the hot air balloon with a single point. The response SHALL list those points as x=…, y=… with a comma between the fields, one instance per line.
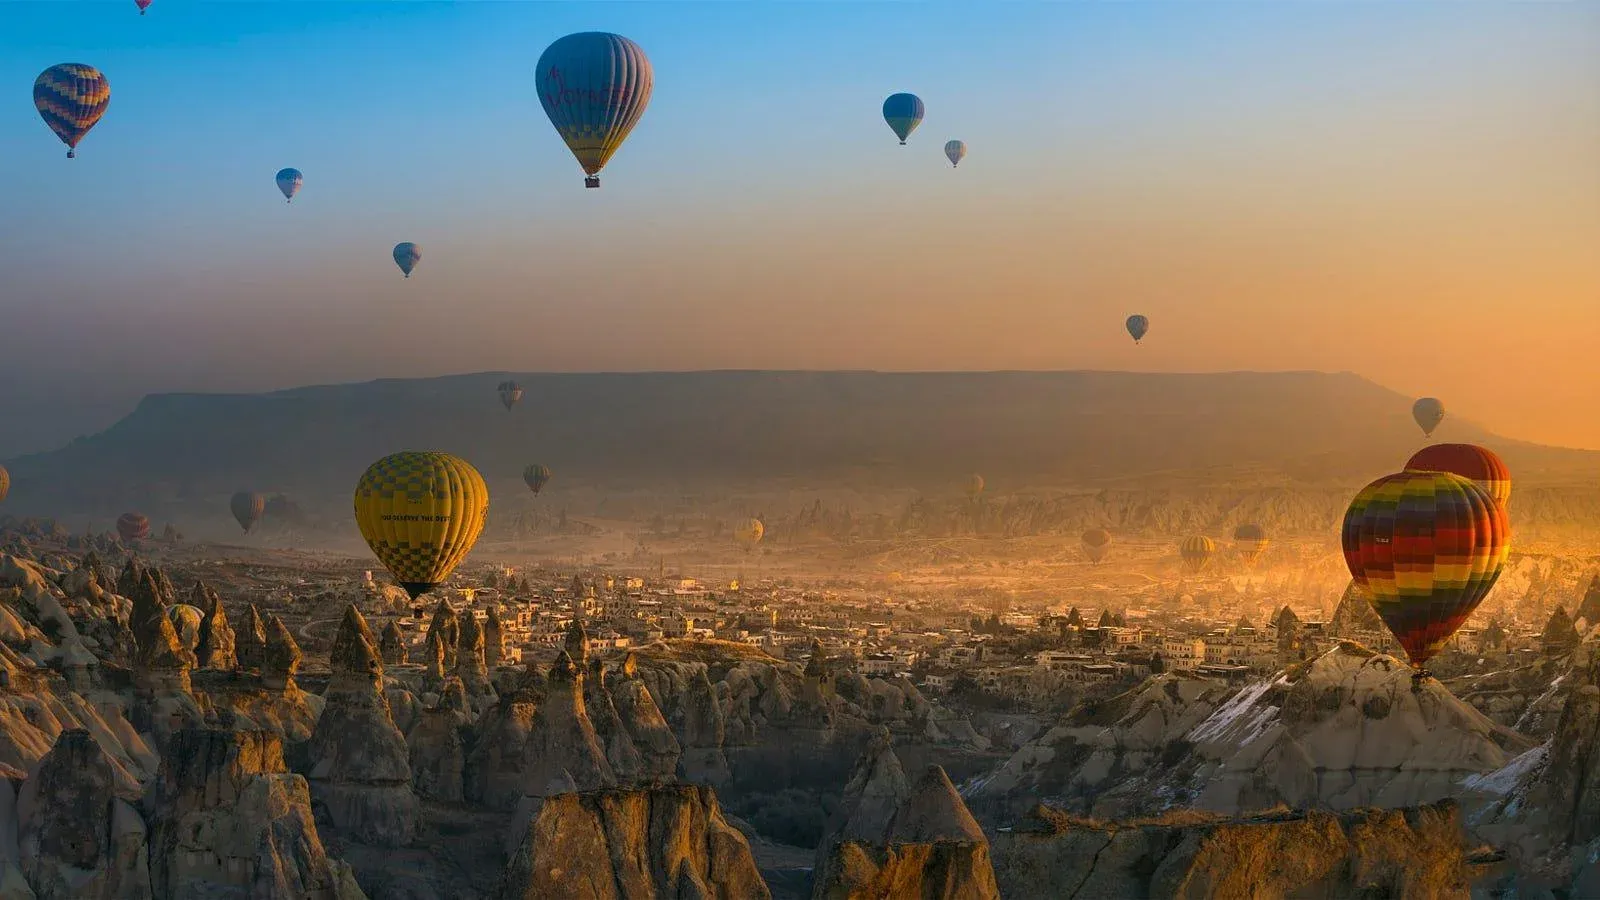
x=186, y=621
x=1251, y=539
x=1196, y=552
x=594, y=86
x=132, y=526
x=1428, y=412
x=1426, y=547
x=510, y=393
x=421, y=512
x=142, y=4
x=71, y=98
x=904, y=113
x=406, y=256
x=748, y=534
x=5, y=483
x=247, y=508
x=956, y=151
x=1096, y=543
x=1138, y=326
x=289, y=181
x=1477, y=464
x=536, y=477
x=974, y=485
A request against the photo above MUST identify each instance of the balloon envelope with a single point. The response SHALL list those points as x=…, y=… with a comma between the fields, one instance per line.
x=289, y=181
x=594, y=86
x=1196, y=552
x=1252, y=541
x=5, y=483
x=974, y=485
x=749, y=533
x=421, y=512
x=406, y=256
x=956, y=151
x=904, y=113
x=142, y=4
x=71, y=98
x=536, y=477
x=1479, y=465
x=1427, y=547
x=1138, y=326
x=132, y=526
x=1428, y=412
x=247, y=508
x=1097, y=543
x=510, y=393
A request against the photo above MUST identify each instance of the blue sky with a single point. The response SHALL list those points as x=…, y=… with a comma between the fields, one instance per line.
x=1171, y=158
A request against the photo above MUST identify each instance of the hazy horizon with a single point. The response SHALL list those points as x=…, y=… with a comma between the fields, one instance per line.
x=1407, y=192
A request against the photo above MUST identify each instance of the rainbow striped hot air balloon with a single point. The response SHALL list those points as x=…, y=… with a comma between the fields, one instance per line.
x=1196, y=552
x=1478, y=465
x=904, y=113
x=594, y=86
x=71, y=98
x=1427, y=547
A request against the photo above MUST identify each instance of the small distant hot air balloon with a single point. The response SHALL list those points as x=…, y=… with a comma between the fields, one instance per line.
x=510, y=393
x=289, y=181
x=1427, y=547
x=1138, y=326
x=1479, y=465
x=1428, y=412
x=904, y=113
x=5, y=483
x=1196, y=552
x=421, y=512
x=71, y=98
x=406, y=256
x=594, y=86
x=247, y=508
x=956, y=151
x=974, y=485
x=142, y=4
x=749, y=534
x=1251, y=540
x=1096, y=543
x=536, y=477
x=132, y=526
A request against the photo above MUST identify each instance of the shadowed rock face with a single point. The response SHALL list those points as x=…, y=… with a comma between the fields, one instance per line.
x=250, y=641
x=447, y=626
x=360, y=764
x=77, y=838
x=1402, y=853
x=280, y=658
x=231, y=822
x=216, y=647
x=392, y=645
x=657, y=842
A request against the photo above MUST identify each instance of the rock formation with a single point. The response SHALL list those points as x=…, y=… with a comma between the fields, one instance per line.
x=658, y=842
x=250, y=641
x=932, y=848
x=77, y=837
x=562, y=746
x=614, y=736
x=437, y=756
x=280, y=658
x=230, y=821
x=471, y=667
x=494, y=639
x=360, y=764
x=1404, y=853
x=392, y=645
x=641, y=717
x=215, y=647
x=445, y=627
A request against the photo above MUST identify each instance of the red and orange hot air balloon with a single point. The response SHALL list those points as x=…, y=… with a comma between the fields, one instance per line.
x=1427, y=547
x=132, y=527
x=1479, y=465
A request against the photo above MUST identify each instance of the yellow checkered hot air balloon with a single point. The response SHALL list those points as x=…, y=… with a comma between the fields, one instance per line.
x=421, y=512
x=71, y=98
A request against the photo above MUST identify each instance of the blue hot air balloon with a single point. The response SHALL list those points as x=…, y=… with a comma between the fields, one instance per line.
x=904, y=113
x=594, y=86
x=406, y=256
x=1137, y=326
x=955, y=151
x=289, y=181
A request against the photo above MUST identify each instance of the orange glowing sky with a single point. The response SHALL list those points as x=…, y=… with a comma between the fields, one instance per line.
x=1407, y=191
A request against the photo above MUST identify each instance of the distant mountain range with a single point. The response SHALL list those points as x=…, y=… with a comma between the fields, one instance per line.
x=799, y=429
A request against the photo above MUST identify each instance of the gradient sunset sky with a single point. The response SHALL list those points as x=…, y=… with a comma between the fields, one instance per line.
x=1410, y=191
